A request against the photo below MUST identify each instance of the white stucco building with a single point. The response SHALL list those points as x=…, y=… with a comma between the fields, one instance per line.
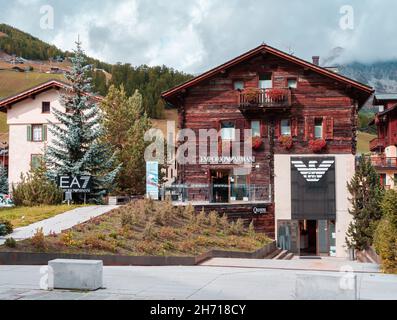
x=28, y=116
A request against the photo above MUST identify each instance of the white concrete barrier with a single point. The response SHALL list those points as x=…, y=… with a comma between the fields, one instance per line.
x=342, y=286
x=76, y=274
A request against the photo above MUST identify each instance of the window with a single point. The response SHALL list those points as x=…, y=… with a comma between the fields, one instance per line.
x=239, y=188
x=265, y=81
x=383, y=179
x=318, y=128
x=228, y=130
x=238, y=85
x=285, y=127
x=36, y=160
x=292, y=83
x=37, y=132
x=256, y=128
x=45, y=107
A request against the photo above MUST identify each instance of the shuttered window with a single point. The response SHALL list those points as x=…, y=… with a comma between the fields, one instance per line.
x=29, y=133
x=318, y=128
x=329, y=128
x=36, y=132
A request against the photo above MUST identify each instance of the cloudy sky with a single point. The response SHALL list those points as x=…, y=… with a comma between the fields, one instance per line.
x=194, y=35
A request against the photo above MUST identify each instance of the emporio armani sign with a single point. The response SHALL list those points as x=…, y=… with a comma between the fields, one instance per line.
x=313, y=172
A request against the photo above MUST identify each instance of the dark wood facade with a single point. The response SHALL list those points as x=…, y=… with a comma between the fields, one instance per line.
x=206, y=101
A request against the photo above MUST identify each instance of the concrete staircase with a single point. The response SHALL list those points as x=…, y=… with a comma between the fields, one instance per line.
x=280, y=254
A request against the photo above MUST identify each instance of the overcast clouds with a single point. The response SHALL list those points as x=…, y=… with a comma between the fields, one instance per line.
x=194, y=35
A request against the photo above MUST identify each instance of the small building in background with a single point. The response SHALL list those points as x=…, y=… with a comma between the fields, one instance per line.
x=384, y=146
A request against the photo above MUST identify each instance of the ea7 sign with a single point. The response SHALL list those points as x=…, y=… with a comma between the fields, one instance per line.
x=75, y=184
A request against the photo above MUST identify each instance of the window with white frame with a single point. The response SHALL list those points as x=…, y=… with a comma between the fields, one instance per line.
x=238, y=85
x=228, y=130
x=37, y=132
x=318, y=128
x=285, y=127
x=292, y=83
x=256, y=128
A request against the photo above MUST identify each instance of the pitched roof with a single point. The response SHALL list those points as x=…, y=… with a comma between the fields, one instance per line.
x=268, y=49
x=51, y=84
x=385, y=97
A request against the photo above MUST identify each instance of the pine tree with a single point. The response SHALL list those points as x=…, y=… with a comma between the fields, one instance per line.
x=3, y=180
x=367, y=193
x=77, y=148
x=125, y=124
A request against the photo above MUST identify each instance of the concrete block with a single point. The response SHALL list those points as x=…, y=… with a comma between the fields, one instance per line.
x=76, y=274
x=342, y=286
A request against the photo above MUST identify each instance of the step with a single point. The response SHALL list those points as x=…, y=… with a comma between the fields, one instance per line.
x=289, y=256
x=281, y=255
x=273, y=254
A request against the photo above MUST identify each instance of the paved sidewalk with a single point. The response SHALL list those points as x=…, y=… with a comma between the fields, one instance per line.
x=60, y=222
x=324, y=264
x=186, y=283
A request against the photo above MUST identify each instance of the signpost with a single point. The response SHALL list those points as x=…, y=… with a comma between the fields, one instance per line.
x=75, y=184
x=152, y=180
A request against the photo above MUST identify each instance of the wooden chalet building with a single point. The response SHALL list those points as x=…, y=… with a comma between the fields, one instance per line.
x=303, y=119
x=384, y=146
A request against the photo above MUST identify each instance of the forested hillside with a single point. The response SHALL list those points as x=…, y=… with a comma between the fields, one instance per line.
x=150, y=81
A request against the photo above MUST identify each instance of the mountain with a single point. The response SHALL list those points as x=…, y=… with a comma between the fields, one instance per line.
x=33, y=54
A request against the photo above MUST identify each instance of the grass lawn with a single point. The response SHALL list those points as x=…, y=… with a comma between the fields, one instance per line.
x=363, y=140
x=24, y=216
x=149, y=228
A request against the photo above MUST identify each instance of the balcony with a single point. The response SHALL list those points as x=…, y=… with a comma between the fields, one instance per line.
x=377, y=144
x=253, y=99
x=384, y=162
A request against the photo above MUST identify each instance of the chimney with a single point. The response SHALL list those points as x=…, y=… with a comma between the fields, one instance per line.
x=316, y=60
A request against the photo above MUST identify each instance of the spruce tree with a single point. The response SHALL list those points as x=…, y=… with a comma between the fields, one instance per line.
x=366, y=196
x=77, y=147
x=3, y=180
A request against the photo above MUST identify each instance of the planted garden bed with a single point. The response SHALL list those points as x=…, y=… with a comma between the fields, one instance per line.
x=147, y=229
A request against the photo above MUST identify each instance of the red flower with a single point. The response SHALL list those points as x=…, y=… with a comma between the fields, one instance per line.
x=286, y=142
x=257, y=143
x=275, y=94
x=317, y=145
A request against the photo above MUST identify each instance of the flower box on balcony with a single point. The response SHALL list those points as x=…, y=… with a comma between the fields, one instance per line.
x=317, y=145
x=286, y=142
x=257, y=143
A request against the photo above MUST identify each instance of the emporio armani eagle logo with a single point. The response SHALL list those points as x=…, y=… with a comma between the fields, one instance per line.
x=313, y=173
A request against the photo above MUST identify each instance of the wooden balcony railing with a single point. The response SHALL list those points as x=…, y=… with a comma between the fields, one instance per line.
x=265, y=98
x=384, y=162
x=376, y=144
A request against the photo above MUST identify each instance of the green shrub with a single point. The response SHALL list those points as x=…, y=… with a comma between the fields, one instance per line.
x=237, y=228
x=38, y=240
x=5, y=227
x=128, y=219
x=385, y=242
x=36, y=189
x=251, y=230
x=10, y=243
x=389, y=207
x=213, y=218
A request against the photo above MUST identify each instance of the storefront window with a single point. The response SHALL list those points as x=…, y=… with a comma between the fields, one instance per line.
x=239, y=188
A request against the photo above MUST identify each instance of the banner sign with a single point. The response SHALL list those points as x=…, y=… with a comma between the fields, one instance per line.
x=313, y=188
x=75, y=184
x=152, y=180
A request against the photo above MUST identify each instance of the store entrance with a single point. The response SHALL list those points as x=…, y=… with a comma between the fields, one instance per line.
x=308, y=237
x=220, y=186
x=317, y=238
